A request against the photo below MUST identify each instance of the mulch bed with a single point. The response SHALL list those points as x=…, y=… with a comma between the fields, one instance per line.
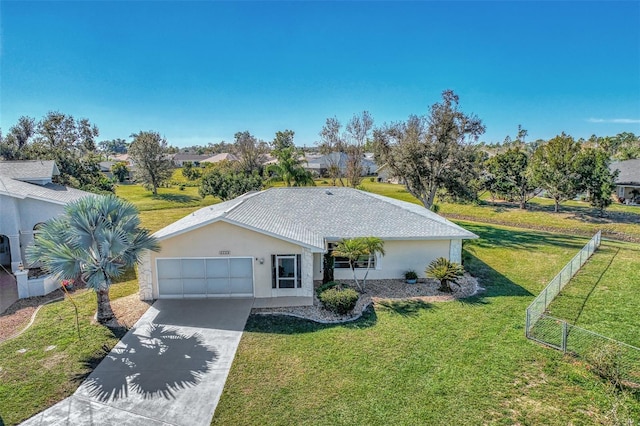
x=17, y=316
x=127, y=309
x=379, y=291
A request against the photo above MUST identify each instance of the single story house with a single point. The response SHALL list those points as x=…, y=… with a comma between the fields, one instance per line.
x=270, y=244
x=223, y=156
x=28, y=197
x=628, y=181
x=385, y=175
x=105, y=168
x=179, y=159
x=320, y=165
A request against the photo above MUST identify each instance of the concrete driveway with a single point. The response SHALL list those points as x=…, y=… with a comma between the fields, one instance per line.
x=170, y=368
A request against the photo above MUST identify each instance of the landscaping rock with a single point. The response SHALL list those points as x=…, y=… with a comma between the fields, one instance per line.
x=376, y=291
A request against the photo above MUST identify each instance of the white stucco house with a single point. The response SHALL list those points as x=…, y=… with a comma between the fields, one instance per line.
x=270, y=244
x=28, y=197
x=628, y=181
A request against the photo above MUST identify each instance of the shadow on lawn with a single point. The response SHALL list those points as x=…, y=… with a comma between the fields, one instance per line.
x=176, y=198
x=494, y=283
x=492, y=237
x=405, y=308
x=284, y=324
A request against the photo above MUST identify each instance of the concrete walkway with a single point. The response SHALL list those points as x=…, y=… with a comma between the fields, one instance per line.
x=169, y=369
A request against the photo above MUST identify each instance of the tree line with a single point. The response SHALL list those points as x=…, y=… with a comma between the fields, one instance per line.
x=436, y=155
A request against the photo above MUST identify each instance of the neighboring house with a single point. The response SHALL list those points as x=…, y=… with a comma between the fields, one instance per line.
x=270, y=244
x=320, y=164
x=105, y=168
x=28, y=197
x=225, y=156
x=384, y=175
x=179, y=159
x=121, y=157
x=628, y=181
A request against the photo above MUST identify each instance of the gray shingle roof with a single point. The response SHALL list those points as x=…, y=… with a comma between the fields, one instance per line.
x=629, y=171
x=29, y=170
x=57, y=194
x=310, y=215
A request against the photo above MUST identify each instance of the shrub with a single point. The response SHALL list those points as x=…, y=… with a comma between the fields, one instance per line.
x=607, y=362
x=326, y=286
x=372, y=179
x=339, y=300
x=445, y=271
x=410, y=275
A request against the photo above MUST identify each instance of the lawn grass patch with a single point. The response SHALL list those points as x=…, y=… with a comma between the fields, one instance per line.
x=461, y=362
x=38, y=378
x=167, y=198
x=155, y=220
x=621, y=222
x=603, y=295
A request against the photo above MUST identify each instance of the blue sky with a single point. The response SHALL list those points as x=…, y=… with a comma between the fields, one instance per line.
x=198, y=72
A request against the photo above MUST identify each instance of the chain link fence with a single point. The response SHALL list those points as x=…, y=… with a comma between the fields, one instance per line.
x=544, y=299
x=616, y=361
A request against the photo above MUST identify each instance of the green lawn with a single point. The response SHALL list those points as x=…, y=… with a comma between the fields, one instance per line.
x=464, y=362
x=37, y=379
x=622, y=222
x=41, y=376
x=167, y=198
x=603, y=295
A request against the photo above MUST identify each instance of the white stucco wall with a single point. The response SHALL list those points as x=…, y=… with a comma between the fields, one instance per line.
x=17, y=219
x=210, y=240
x=400, y=257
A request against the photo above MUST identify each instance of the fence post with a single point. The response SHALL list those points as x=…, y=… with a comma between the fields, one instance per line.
x=526, y=324
x=564, y=337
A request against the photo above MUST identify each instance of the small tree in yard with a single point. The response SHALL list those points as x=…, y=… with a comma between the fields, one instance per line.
x=148, y=151
x=554, y=168
x=120, y=171
x=597, y=180
x=98, y=239
x=355, y=249
x=445, y=271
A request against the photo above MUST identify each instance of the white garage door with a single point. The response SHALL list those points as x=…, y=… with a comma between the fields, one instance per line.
x=205, y=277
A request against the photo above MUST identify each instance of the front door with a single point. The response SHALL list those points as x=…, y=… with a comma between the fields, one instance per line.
x=5, y=250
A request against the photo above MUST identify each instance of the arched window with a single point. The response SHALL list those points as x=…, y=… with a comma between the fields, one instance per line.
x=36, y=229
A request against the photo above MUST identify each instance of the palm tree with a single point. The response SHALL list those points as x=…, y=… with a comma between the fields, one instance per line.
x=445, y=271
x=289, y=169
x=98, y=239
x=373, y=246
x=355, y=249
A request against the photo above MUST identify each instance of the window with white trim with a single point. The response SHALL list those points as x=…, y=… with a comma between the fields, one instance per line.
x=343, y=262
x=286, y=271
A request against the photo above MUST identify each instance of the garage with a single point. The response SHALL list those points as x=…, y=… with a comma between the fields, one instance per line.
x=205, y=277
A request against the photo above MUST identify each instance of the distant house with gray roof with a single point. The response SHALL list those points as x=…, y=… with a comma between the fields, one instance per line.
x=270, y=244
x=28, y=197
x=179, y=159
x=320, y=164
x=628, y=180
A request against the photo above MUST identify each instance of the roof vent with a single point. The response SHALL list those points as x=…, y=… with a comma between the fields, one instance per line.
x=328, y=192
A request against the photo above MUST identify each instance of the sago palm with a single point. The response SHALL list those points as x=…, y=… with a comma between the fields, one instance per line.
x=445, y=271
x=98, y=239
